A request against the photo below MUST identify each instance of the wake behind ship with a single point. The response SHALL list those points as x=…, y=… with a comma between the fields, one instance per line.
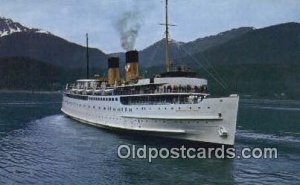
x=173, y=104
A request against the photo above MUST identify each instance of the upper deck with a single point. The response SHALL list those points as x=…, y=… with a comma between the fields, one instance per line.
x=165, y=85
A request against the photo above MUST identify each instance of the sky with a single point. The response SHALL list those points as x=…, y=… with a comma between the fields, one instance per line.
x=72, y=19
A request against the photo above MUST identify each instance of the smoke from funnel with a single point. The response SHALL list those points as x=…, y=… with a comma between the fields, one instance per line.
x=128, y=26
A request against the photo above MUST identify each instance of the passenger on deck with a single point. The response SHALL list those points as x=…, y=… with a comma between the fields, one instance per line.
x=196, y=89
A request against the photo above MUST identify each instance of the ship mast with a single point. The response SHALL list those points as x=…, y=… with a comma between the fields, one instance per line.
x=87, y=57
x=167, y=40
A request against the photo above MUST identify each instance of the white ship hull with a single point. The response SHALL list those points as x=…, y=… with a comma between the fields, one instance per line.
x=171, y=104
x=213, y=120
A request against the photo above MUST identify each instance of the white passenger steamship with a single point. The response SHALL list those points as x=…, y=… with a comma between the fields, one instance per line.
x=173, y=104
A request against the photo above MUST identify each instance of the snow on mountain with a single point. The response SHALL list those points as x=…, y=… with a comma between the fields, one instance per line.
x=8, y=26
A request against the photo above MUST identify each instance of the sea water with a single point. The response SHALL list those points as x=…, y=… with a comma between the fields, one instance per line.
x=39, y=145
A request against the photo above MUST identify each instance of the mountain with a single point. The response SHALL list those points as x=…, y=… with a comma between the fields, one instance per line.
x=18, y=40
x=21, y=73
x=155, y=54
x=254, y=62
x=205, y=43
x=8, y=26
x=274, y=44
x=278, y=44
x=260, y=63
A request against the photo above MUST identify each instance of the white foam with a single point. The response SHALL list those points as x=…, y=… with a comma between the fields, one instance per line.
x=266, y=137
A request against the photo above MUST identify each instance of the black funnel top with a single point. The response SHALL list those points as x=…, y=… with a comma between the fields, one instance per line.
x=113, y=62
x=132, y=56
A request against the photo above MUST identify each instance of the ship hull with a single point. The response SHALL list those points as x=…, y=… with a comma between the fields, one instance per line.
x=213, y=120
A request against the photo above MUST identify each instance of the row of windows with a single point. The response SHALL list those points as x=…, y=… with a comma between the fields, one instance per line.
x=103, y=99
x=90, y=98
x=125, y=109
x=103, y=108
x=128, y=109
x=79, y=97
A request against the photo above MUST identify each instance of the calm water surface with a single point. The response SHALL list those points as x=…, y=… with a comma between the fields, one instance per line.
x=39, y=145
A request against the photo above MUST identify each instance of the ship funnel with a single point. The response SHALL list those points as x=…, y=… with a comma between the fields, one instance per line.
x=113, y=70
x=132, y=65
